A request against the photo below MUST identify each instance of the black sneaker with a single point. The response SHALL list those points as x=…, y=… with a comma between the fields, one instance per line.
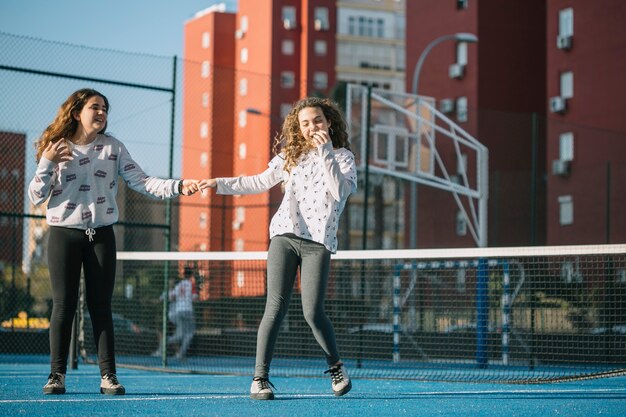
x=110, y=385
x=261, y=389
x=340, y=380
x=55, y=385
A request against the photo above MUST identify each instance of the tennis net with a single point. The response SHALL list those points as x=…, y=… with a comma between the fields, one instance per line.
x=527, y=314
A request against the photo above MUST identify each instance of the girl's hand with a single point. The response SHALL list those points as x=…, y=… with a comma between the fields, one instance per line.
x=207, y=183
x=320, y=138
x=58, y=151
x=190, y=187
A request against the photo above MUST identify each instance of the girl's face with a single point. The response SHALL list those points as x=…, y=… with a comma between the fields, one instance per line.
x=311, y=120
x=93, y=117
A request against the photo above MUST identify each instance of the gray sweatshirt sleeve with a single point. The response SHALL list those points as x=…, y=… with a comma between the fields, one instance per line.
x=42, y=183
x=137, y=179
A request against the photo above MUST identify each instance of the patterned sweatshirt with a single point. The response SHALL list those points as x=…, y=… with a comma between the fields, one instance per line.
x=81, y=192
x=316, y=191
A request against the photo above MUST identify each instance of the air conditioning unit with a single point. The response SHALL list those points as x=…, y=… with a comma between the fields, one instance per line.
x=560, y=167
x=446, y=105
x=558, y=104
x=564, y=41
x=289, y=24
x=456, y=70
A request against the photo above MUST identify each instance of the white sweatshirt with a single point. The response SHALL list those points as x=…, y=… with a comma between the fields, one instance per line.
x=316, y=191
x=81, y=192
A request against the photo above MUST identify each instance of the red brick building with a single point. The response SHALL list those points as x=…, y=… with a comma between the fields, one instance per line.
x=243, y=71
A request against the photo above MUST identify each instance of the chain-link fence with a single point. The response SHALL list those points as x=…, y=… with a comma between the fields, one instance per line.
x=526, y=204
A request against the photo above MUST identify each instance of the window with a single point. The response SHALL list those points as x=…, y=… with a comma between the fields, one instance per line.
x=243, y=151
x=461, y=164
x=320, y=80
x=204, y=130
x=289, y=17
x=243, y=55
x=361, y=27
x=206, y=40
x=566, y=146
x=243, y=86
x=461, y=53
x=566, y=210
x=288, y=47
x=461, y=109
x=205, y=100
x=239, y=247
x=352, y=26
x=240, y=214
x=566, y=22
x=567, y=84
x=461, y=4
x=204, y=159
x=285, y=108
x=202, y=222
x=243, y=24
x=243, y=118
x=380, y=28
x=287, y=79
x=461, y=224
x=321, y=48
x=321, y=18
x=206, y=69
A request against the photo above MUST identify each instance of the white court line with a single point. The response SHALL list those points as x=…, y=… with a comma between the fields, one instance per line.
x=305, y=396
x=154, y=398
x=521, y=391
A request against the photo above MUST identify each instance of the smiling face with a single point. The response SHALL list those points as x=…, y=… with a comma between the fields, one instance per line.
x=92, y=118
x=311, y=120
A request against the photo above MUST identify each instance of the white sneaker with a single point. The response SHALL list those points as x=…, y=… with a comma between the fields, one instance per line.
x=110, y=385
x=55, y=385
x=261, y=389
x=340, y=380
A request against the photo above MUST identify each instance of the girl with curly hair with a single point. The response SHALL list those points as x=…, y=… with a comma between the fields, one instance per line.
x=317, y=170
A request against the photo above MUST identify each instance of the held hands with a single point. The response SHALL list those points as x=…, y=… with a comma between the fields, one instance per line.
x=191, y=187
x=58, y=152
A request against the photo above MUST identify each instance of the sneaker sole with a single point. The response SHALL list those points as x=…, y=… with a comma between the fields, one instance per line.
x=344, y=391
x=54, y=390
x=112, y=391
x=262, y=396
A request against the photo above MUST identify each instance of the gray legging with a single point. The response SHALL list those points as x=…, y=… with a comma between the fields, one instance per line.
x=286, y=253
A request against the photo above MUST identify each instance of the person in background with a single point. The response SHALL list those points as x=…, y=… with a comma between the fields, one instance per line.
x=180, y=312
x=78, y=169
x=317, y=171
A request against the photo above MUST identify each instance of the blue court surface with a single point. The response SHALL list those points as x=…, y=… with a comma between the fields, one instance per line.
x=151, y=393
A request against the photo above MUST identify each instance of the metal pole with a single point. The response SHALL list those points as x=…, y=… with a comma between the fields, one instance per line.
x=168, y=221
x=365, y=206
x=459, y=37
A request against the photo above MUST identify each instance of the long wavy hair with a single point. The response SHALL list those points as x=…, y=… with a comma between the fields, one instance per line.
x=65, y=125
x=290, y=140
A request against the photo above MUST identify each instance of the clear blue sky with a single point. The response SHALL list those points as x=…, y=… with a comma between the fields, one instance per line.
x=145, y=26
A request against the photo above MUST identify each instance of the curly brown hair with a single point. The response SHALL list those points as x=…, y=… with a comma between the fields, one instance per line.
x=64, y=124
x=290, y=140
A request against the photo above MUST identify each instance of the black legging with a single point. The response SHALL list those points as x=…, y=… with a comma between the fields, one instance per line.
x=68, y=251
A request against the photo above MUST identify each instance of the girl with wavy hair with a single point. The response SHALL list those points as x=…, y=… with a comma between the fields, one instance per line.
x=78, y=165
x=317, y=171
